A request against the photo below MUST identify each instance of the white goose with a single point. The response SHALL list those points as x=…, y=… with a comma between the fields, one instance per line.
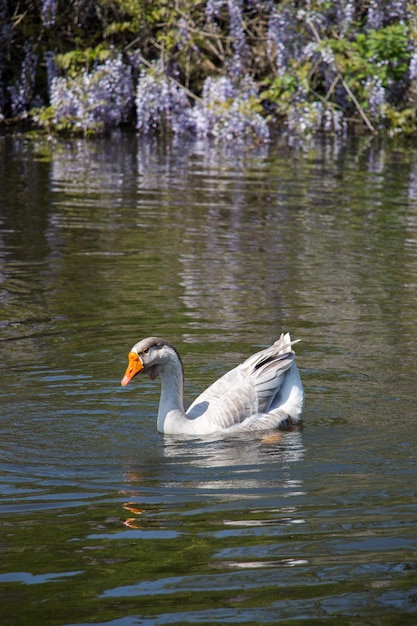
x=263, y=392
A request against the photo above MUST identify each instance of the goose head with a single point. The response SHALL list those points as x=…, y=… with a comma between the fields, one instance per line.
x=150, y=356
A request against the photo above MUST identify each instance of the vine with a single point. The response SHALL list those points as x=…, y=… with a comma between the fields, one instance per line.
x=87, y=65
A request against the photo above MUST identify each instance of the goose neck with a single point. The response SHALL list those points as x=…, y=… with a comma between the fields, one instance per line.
x=172, y=389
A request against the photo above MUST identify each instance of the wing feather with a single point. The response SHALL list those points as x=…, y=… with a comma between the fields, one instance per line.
x=246, y=391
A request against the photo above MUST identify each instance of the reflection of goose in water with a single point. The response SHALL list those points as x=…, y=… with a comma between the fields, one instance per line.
x=249, y=450
x=262, y=393
x=239, y=464
x=220, y=470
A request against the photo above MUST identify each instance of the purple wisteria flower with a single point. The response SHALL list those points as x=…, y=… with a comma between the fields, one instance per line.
x=240, y=46
x=277, y=40
x=213, y=10
x=21, y=92
x=226, y=110
x=161, y=103
x=377, y=97
x=412, y=68
x=48, y=12
x=94, y=100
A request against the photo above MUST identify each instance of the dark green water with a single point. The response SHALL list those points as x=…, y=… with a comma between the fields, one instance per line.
x=103, y=520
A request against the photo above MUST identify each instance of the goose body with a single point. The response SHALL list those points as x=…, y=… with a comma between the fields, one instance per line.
x=263, y=392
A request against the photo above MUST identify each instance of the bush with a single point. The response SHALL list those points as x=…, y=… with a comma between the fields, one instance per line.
x=225, y=68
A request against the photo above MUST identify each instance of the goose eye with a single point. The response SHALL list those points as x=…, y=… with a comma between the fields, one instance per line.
x=145, y=351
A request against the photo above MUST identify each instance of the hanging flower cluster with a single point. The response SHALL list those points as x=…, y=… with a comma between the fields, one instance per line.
x=93, y=101
x=226, y=69
x=225, y=111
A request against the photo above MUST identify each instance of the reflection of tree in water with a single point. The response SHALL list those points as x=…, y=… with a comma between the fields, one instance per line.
x=212, y=243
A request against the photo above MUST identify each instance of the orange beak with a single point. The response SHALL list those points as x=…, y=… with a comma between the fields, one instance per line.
x=135, y=366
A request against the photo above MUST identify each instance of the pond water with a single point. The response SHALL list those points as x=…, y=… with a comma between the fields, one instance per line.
x=105, y=521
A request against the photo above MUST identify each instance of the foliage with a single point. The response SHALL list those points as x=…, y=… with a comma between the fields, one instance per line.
x=366, y=75
x=314, y=65
x=76, y=61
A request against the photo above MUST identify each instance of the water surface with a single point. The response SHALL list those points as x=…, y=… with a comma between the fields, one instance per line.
x=105, y=521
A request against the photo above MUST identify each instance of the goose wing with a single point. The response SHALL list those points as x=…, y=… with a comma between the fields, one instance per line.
x=247, y=390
